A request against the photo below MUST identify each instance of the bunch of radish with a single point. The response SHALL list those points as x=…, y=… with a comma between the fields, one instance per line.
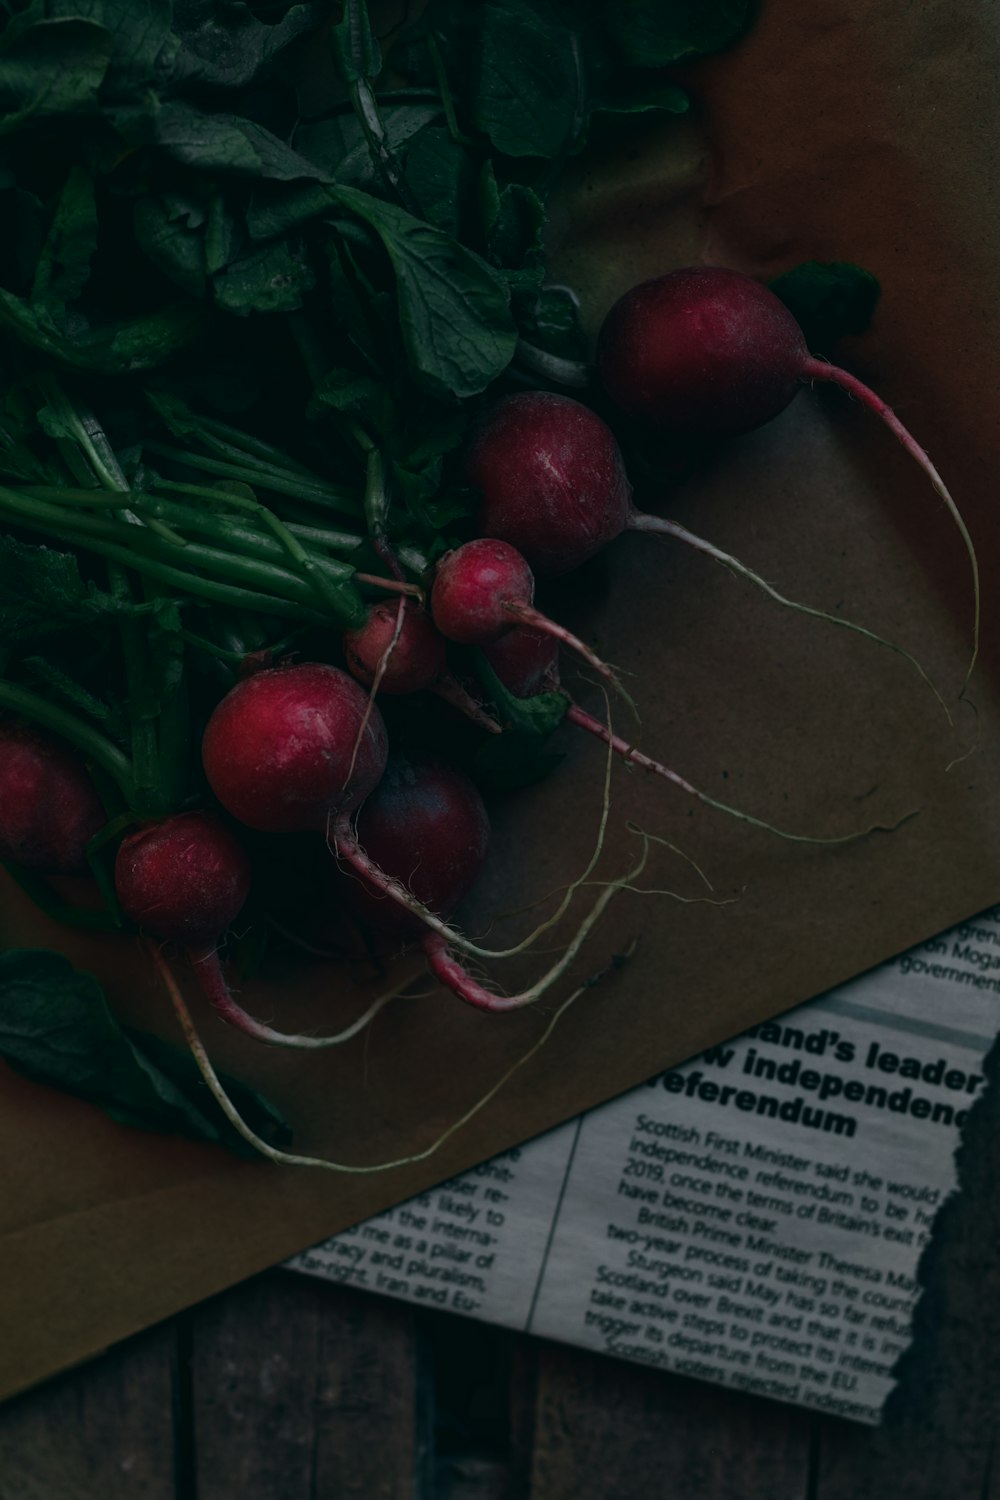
x=302, y=747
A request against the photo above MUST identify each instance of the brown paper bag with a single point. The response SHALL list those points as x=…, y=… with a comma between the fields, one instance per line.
x=841, y=130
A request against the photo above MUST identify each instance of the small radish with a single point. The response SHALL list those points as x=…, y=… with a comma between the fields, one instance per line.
x=184, y=879
x=526, y=662
x=484, y=589
x=290, y=747
x=709, y=350
x=532, y=451
x=49, y=807
x=398, y=650
x=426, y=826
x=418, y=652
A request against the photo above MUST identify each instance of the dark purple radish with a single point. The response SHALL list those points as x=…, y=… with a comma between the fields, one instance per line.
x=296, y=748
x=419, y=846
x=702, y=350
x=524, y=502
x=528, y=664
x=290, y=748
x=484, y=589
x=49, y=807
x=711, y=351
x=425, y=826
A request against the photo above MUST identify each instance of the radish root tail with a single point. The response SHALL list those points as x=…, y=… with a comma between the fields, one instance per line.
x=208, y=971
x=660, y=526
x=818, y=369
x=456, y=978
x=629, y=753
x=343, y=844
x=293, y=1159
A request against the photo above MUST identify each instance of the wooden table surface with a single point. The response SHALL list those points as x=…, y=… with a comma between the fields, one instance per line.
x=287, y=1388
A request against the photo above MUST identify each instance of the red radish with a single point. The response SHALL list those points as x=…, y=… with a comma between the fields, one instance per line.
x=525, y=497
x=526, y=503
x=184, y=878
x=710, y=350
x=552, y=480
x=418, y=653
x=399, y=651
x=296, y=748
x=291, y=747
x=426, y=826
x=485, y=588
x=49, y=807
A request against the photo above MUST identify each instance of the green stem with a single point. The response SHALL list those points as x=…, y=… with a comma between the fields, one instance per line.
x=235, y=444
x=88, y=435
x=106, y=538
x=315, y=493
x=316, y=573
x=202, y=643
x=145, y=753
x=413, y=559
x=101, y=500
x=65, y=495
x=245, y=536
x=208, y=589
x=92, y=441
x=456, y=132
x=84, y=737
x=346, y=541
x=370, y=119
x=377, y=503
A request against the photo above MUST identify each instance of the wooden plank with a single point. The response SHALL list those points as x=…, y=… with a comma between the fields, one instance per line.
x=604, y=1427
x=920, y=1462
x=303, y=1388
x=105, y=1429
x=479, y=1381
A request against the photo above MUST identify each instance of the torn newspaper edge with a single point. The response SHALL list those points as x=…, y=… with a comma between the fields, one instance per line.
x=754, y=1217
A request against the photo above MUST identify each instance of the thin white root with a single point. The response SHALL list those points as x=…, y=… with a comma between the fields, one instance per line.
x=659, y=526
x=380, y=671
x=343, y=845
x=457, y=978
x=217, y=992
x=293, y=1159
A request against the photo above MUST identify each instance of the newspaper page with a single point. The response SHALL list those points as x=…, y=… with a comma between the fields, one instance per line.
x=754, y=1217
